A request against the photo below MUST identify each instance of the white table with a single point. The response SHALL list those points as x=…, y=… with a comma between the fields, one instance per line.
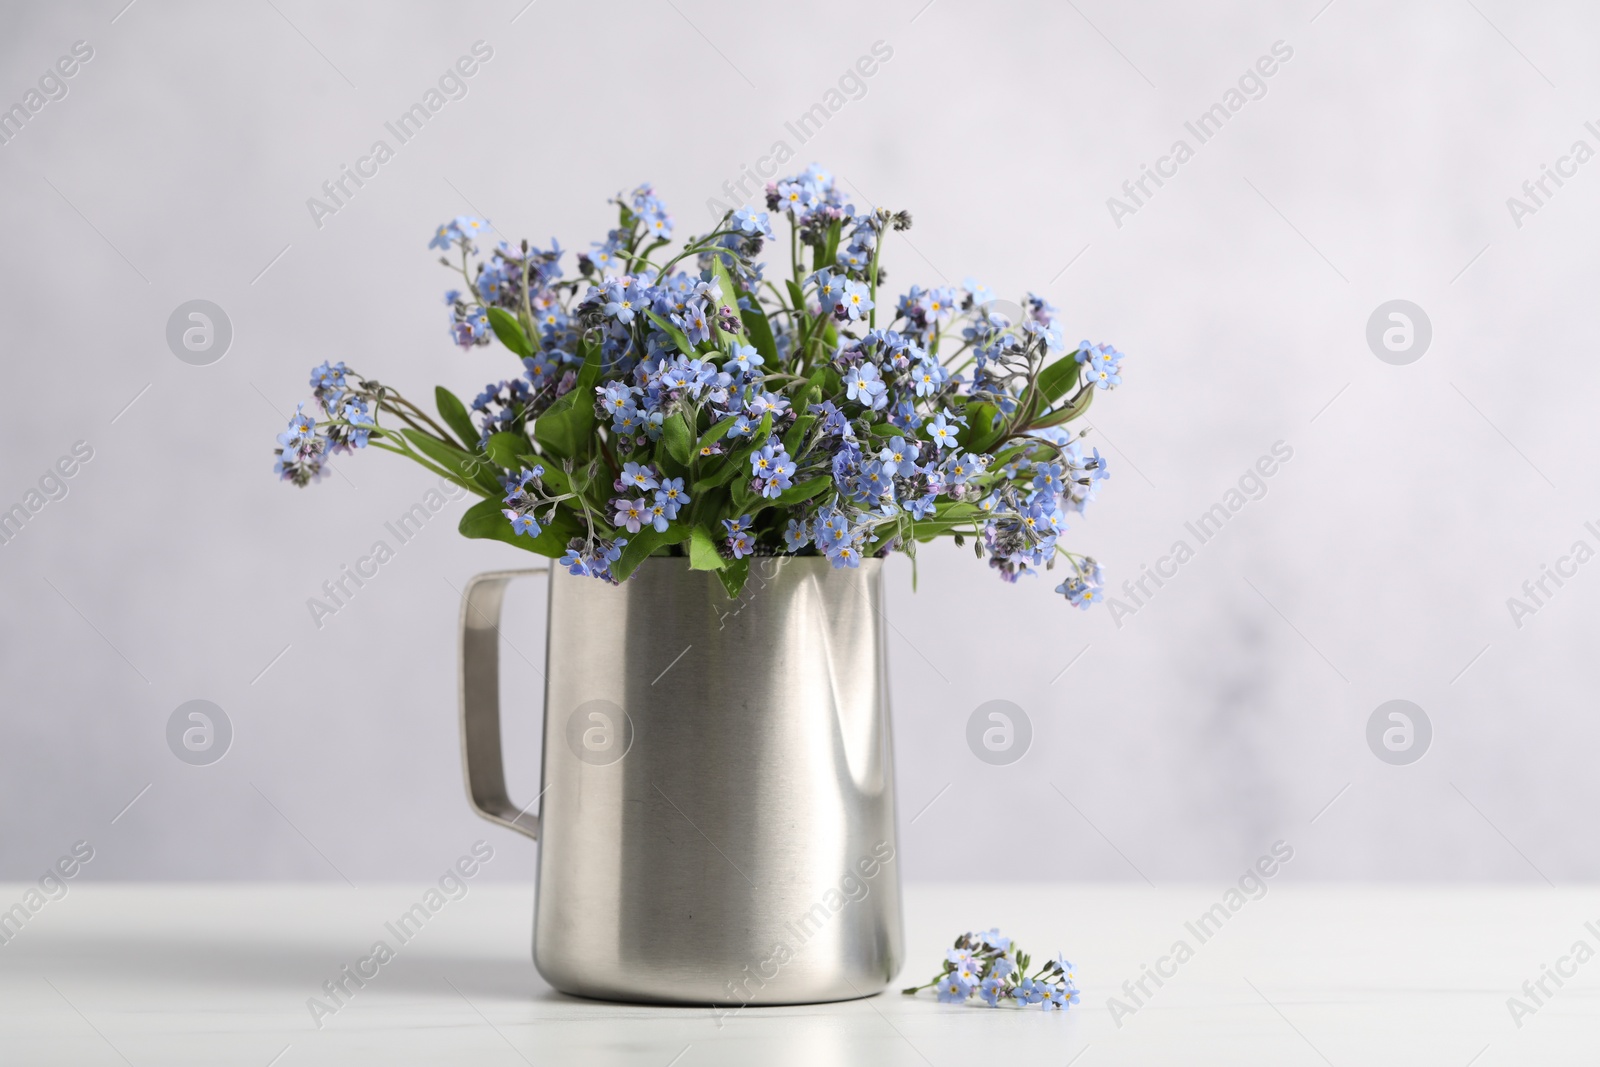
x=220, y=975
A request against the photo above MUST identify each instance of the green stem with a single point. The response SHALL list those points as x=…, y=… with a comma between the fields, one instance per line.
x=872, y=280
x=426, y=463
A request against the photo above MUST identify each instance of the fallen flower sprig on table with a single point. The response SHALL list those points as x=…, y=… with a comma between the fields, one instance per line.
x=989, y=965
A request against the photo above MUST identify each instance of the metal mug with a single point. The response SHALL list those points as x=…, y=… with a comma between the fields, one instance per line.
x=716, y=809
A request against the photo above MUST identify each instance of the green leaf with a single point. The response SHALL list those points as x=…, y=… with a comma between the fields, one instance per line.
x=484, y=520
x=554, y=429
x=1058, y=378
x=944, y=517
x=708, y=508
x=795, y=494
x=506, y=449
x=679, y=338
x=715, y=434
x=554, y=478
x=730, y=297
x=589, y=373
x=509, y=330
x=1068, y=411
x=454, y=414
x=758, y=437
x=981, y=430
x=830, y=254
x=759, y=327
x=567, y=427
x=643, y=544
x=1006, y=456
x=812, y=390
x=798, y=296
x=721, y=476
x=703, y=554
x=743, y=499
x=474, y=471
x=797, y=433
x=734, y=574
x=739, y=459
x=677, y=438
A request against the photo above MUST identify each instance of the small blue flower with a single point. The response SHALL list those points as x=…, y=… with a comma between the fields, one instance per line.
x=520, y=480
x=746, y=220
x=772, y=461
x=905, y=417
x=630, y=513
x=961, y=466
x=929, y=376
x=832, y=526
x=695, y=323
x=658, y=224
x=302, y=428
x=864, y=385
x=627, y=421
x=639, y=476
x=939, y=305
x=844, y=554
x=796, y=198
x=444, y=236
x=1096, y=466
x=522, y=524
x=1047, y=478
x=1105, y=365
x=981, y=294
x=993, y=991
x=615, y=397
x=954, y=989
x=1080, y=593
x=857, y=301
x=468, y=331
x=623, y=302
x=942, y=432
x=796, y=535
x=993, y=938
x=745, y=359
x=830, y=290
x=855, y=259
x=327, y=379
x=900, y=456
x=361, y=424
x=671, y=496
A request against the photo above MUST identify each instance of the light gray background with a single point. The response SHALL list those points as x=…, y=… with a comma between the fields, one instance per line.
x=1228, y=713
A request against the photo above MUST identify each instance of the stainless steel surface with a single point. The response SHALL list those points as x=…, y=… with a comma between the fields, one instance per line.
x=717, y=820
x=482, y=762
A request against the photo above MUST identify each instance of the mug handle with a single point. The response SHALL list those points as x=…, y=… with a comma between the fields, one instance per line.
x=481, y=757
